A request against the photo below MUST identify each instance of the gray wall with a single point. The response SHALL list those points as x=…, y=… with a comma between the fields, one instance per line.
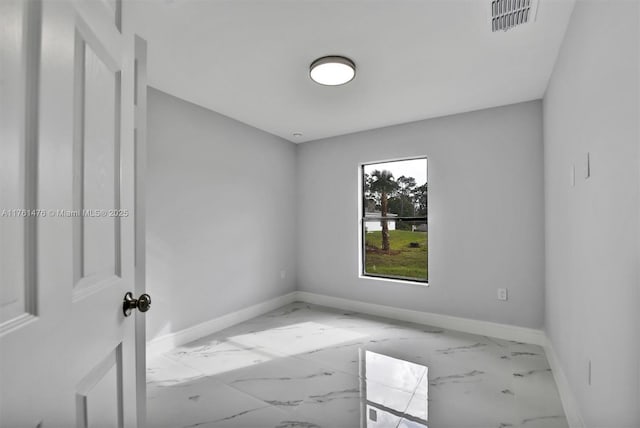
x=220, y=215
x=592, y=278
x=485, y=214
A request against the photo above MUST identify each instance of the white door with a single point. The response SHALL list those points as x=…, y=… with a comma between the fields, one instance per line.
x=68, y=355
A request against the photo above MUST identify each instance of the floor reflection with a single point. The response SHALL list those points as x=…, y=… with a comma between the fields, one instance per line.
x=386, y=382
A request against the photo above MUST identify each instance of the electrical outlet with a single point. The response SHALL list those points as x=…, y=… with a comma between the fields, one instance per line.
x=589, y=373
x=502, y=294
x=283, y=274
x=373, y=415
x=588, y=171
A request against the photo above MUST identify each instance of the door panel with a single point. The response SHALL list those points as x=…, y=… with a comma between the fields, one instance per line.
x=96, y=164
x=12, y=161
x=68, y=356
x=99, y=395
x=18, y=113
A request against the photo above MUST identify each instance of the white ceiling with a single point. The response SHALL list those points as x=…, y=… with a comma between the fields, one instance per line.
x=249, y=60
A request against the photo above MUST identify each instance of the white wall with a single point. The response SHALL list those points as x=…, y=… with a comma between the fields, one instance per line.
x=592, y=277
x=485, y=214
x=220, y=215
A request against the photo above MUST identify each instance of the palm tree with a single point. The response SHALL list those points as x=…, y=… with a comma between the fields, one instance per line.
x=383, y=183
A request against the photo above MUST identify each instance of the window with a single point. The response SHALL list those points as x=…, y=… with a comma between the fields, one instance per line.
x=394, y=220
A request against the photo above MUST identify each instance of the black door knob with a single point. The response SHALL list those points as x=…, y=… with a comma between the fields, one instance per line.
x=143, y=303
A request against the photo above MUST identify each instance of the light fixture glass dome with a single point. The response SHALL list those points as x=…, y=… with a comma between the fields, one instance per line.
x=332, y=70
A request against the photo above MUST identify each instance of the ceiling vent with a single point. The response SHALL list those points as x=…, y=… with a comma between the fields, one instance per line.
x=507, y=14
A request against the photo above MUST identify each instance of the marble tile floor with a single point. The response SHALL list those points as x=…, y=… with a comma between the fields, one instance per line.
x=307, y=366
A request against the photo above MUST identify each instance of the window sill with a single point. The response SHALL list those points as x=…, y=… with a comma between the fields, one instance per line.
x=394, y=280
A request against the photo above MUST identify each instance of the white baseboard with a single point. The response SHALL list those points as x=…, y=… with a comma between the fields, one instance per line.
x=172, y=340
x=484, y=328
x=569, y=402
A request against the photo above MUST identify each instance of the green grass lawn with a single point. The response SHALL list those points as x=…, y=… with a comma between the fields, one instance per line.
x=402, y=261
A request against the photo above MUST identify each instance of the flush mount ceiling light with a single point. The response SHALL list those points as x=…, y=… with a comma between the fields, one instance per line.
x=332, y=70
